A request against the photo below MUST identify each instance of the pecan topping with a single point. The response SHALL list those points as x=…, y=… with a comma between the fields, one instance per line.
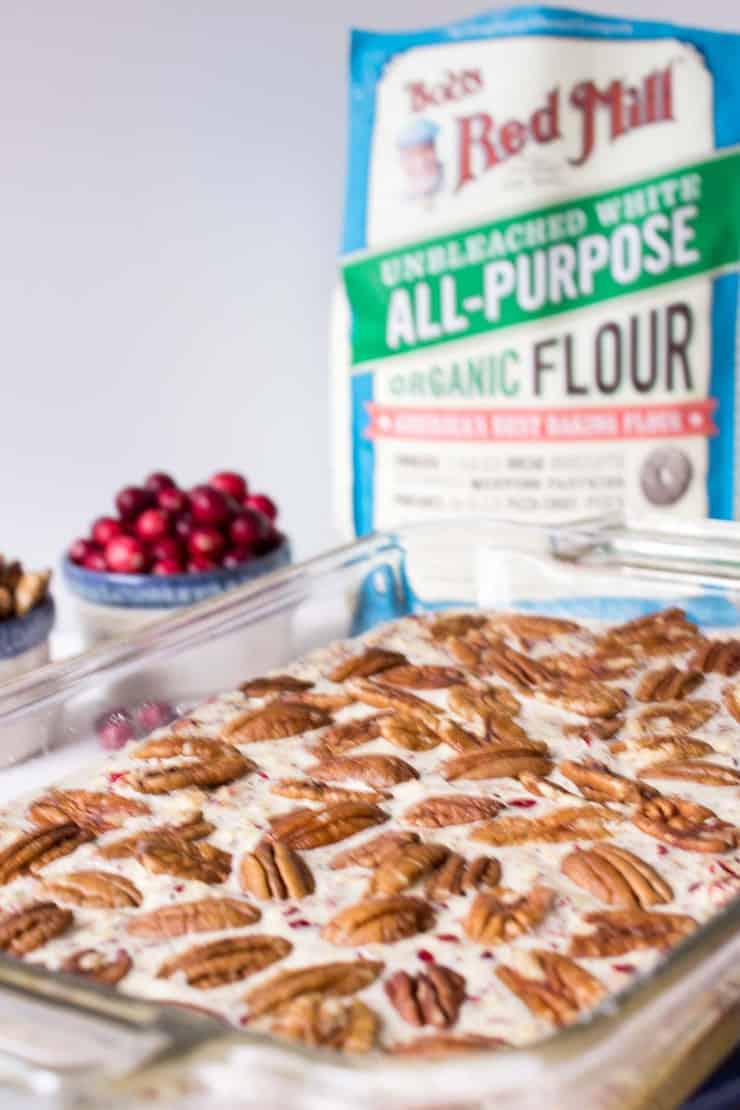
x=685, y=824
x=275, y=721
x=375, y=770
x=433, y=997
x=494, y=918
x=187, y=860
x=206, y=915
x=545, y=788
x=379, y=921
x=620, y=931
x=600, y=730
x=588, y=699
x=329, y=702
x=370, y=662
x=459, y=739
x=616, y=876
x=596, y=782
x=668, y=683
x=671, y=718
x=408, y=865
x=597, y=665
x=447, y=1045
x=273, y=870
x=96, y=812
x=692, y=770
x=450, y=809
x=373, y=692
x=719, y=656
x=532, y=626
x=375, y=851
x=96, y=965
x=572, y=823
x=562, y=991
x=664, y=633
x=333, y=980
x=314, y=791
x=421, y=677
x=225, y=961
x=475, y=705
x=97, y=889
x=342, y=738
x=458, y=875
x=274, y=684
x=305, y=828
x=456, y=624
x=34, y=850
x=210, y=763
x=671, y=747
x=497, y=762
x=27, y=929
x=519, y=669
x=350, y=1027
x=731, y=698
x=193, y=828
x=408, y=732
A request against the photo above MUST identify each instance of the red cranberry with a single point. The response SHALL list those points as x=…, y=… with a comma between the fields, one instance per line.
x=235, y=556
x=152, y=524
x=208, y=505
x=263, y=504
x=184, y=525
x=126, y=555
x=522, y=803
x=228, y=481
x=95, y=560
x=132, y=500
x=626, y=969
x=172, y=499
x=80, y=549
x=164, y=567
x=157, y=481
x=198, y=563
x=425, y=955
x=152, y=714
x=115, y=730
x=105, y=528
x=248, y=528
x=166, y=547
x=206, y=540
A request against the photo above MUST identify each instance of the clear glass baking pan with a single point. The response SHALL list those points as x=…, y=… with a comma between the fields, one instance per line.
x=648, y=1047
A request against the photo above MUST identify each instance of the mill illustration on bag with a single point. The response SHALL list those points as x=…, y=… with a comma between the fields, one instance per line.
x=537, y=313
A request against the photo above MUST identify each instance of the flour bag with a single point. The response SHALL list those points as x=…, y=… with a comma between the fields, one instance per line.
x=537, y=311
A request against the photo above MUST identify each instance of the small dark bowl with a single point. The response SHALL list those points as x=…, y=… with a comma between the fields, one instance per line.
x=152, y=591
x=22, y=634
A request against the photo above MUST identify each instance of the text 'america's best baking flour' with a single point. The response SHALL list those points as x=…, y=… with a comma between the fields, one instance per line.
x=538, y=308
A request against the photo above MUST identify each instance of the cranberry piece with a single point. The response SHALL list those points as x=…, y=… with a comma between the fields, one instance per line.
x=627, y=969
x=126, y=555
x=115, y=730
x=425, y=955
x=248, y=528
x=299, y=923
x=165, y=567
x=209, y=506
x=235, y=556
x=173, y=500
x=114, y=776
x=662, y=850
x=230, y=482
x=486, y=955
x=79, y=550
x=105, y=528
x=449, y=937
x=263, y=504
x=158, y=480
x=166, y=547
x=152, y=714
x=198, y=563
x=132, y=500
x=206, y=540
x=522, y=803
x=152, y=524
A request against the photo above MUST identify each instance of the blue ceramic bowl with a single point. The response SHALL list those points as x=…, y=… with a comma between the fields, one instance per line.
x=21, y=634
x=152, y=591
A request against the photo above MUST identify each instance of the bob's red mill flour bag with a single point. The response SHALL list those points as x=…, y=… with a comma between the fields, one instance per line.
x=538, y=308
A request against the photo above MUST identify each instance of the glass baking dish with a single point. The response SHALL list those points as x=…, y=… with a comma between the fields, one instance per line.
x=647, y=1047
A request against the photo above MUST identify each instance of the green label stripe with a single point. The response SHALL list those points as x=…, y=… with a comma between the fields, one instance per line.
x=546, y=261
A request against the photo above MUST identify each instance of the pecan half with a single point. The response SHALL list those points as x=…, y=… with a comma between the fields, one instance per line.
x=187, y=860
x=96, y=889
x=275, y=721
x=342, y=738
x=493, y=918
x=329, y=702
x=450, y=809
x=274, y=684
x=421, y=677
x=731, y=698
x=620, y=931
x=350, y=1027
x=692, y=770
x=379, y=921
x=455, y=624
x=225, y=961
x=595, y=729
x=571, y=823
x=668, y=683
x=533, y=626
x=475, y=706
x=671, y=718
x=91, y=810
x=306, y=828
x=313, y=791
x=373, y=852
x=408, y=732
x=26, y=929
x=497, y=762
x=370, y=662
x=460, y=739
x=193, y=828
x=206, y=915
x=671, y=747
x=373, y=692
x=210, y=763
x=32, y=851
x=587, y=699
x=408, y=865
x=332, y=980
x=96, y=965
x=663, y=633
x=458, y=876
x=616, y=876
x=447, y=1045
x=597, y=782
x=596, y=665
x=560, y=993
x=718, y=656
x=433, y=997
x=375, y=770
x=687, y=825
x=273, y=870
x=519, y=669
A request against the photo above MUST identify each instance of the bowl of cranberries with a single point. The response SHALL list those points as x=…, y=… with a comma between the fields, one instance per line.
x=166, y=547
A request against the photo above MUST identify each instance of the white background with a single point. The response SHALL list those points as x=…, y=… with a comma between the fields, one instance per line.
x=171, y=180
